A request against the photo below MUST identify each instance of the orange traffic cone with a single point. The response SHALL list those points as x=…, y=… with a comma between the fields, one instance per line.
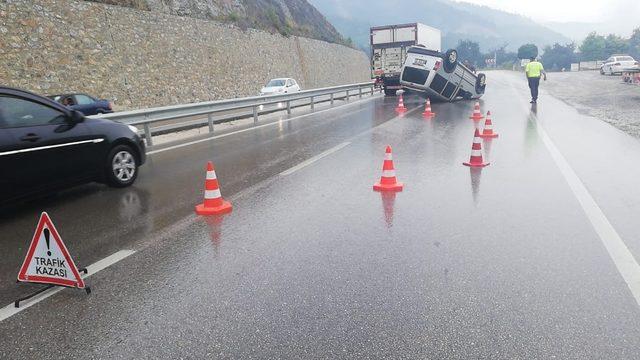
x=213, y=204
x=388, y=181
x=487, y=132
x=476, y=152
x=400, y=107
x=477, y=114
x=427, y=109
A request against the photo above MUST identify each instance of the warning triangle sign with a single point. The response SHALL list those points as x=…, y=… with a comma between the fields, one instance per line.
x=48, y=260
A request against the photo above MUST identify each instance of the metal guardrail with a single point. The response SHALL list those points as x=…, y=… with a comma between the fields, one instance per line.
x=146, y=117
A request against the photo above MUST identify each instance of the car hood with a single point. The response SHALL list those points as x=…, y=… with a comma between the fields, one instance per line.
x=96, y=120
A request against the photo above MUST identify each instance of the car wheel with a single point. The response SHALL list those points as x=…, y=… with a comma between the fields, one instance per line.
x=481, y=83
x=121, y=169
x=450, y=61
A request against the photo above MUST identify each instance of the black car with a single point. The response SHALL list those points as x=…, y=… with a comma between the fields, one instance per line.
x=45, y=146
x=84, y=103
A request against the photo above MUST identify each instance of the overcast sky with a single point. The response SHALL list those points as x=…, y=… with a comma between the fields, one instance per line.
x=605, y=11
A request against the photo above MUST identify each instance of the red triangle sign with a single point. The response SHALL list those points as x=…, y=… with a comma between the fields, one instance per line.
x=48, y=260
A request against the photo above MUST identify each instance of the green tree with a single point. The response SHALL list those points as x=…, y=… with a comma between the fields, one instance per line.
x=614, y=44
x=502, y=55
x=593, y=47
x=470, y=50
x=634, y=44
x=558, y=56
x=527, y=51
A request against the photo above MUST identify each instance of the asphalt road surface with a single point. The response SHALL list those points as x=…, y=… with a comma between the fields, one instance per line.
x=532, y=257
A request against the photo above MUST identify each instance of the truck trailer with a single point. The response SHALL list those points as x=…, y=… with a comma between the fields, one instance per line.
x=389, y=45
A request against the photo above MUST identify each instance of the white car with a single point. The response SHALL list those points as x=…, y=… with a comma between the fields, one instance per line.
x=440, y=76
x=616, y=64
x=280, y=86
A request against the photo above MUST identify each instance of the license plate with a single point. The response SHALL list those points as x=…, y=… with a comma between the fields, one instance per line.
x=420, y=62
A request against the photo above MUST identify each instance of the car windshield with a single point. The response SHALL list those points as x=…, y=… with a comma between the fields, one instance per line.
x=276, y=82
x=625, y=58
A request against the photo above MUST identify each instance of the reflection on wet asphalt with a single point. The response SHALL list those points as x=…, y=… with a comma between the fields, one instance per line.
x=499, y=262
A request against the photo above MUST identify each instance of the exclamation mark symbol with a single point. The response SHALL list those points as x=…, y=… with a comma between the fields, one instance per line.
x=46, y=238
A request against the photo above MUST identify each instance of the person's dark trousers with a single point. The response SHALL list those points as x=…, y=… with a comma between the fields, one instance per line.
x=534, y=83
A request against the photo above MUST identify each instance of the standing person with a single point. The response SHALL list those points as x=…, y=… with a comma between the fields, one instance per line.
x=533, y=71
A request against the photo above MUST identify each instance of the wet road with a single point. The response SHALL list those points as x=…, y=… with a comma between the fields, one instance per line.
x=505, y=262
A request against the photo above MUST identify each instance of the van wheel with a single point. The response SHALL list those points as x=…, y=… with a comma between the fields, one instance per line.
x=389, y=92
x=121, y=168
x=481, y=83
x=450, y=61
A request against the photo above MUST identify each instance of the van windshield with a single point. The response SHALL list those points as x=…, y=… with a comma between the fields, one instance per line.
x=276, y=82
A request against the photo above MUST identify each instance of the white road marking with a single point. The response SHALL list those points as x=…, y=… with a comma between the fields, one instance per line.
x=10, y=310
x=618, y=251
x=257, y=127
x=314, y=159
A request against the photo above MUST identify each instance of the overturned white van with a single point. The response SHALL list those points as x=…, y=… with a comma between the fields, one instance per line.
x=440, y=76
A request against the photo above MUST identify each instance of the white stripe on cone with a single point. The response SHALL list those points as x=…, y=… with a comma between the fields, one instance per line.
x=476, y=152
x=388, y=173
x=388, y=156
x=212, y=194
x=211, y=175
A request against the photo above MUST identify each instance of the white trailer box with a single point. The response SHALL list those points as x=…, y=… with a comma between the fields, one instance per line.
x=389, y=46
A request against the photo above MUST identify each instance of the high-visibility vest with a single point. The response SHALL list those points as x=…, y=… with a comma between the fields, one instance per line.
x=534, y=69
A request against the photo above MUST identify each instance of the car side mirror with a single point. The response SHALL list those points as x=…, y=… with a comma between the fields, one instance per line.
x=76, y=117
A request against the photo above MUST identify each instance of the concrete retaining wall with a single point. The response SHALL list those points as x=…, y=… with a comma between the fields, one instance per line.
x=147, y=59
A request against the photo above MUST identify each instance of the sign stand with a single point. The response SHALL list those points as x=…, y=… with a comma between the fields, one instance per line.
x=48, y=262
x=17, y=302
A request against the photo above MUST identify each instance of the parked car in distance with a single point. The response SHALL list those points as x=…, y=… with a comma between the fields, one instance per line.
x=440, y=76
x=616, y=64
x=45, y=147
x=84, y=103
x=280, y=86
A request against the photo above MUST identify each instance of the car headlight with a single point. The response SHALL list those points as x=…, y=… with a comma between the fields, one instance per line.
x=133, y=128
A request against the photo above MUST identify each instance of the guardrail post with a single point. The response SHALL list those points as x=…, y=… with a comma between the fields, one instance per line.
x=359, y=92
x=147, y=134
x=210, y=120
x=312, y=103
x=372, y=87
x=289, y=107
x=347, y=98
x=331, y=98
x=255, y=114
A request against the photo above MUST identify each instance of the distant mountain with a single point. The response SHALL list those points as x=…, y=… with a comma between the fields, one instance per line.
x=491, y=28
x=577, y=31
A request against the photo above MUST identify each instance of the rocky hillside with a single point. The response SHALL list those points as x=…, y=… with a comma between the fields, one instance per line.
x=288, y=17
